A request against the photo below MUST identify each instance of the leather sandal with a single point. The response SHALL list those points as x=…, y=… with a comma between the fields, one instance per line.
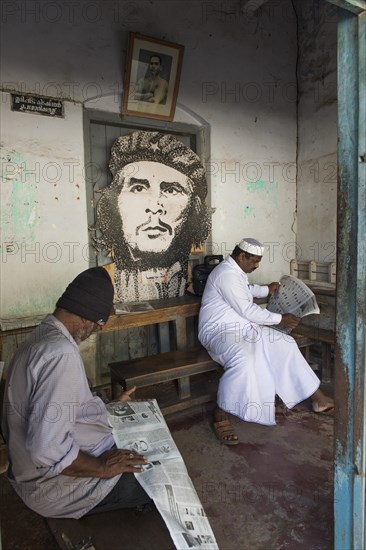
x=328, y=411
x=224, y=429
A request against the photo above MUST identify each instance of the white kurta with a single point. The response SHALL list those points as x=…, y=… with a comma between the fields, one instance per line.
x=259, y=361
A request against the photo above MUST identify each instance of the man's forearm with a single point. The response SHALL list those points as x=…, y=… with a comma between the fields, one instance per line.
x=111, y=463
x=85, y=465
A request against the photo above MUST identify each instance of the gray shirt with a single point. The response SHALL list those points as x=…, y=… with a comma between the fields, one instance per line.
x=49, y=416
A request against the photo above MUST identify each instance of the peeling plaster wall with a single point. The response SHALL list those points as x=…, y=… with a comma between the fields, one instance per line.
x=44, y=236
x=238, y=75
x=317, y=131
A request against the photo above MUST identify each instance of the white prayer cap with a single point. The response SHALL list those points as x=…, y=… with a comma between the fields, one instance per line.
x=251, y=246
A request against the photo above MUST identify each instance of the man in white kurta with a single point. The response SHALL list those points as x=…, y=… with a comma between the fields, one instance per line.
x=259, y=361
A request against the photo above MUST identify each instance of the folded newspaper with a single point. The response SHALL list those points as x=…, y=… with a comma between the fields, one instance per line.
x=293, y=296
x=140, y=426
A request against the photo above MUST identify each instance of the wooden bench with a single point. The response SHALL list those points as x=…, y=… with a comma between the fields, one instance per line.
x=321, y=278
x=326, y=338
x=304, y=343
x=176, y=365
x=164, y=367
x=311, y=271
x=186, y=359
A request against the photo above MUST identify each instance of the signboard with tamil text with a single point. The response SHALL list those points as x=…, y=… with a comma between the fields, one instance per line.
x=37, y=105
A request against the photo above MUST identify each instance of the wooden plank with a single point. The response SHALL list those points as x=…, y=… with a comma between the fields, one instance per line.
x=184, y=387
x=137, y=342
x=182, y=405
x=164, y=310
x=164, y=337
x=303, y=341
x=294, y=268
x=181, y=332
x=326, y=360
x=146, y=371
x=332, y=273
x=326, y=337
x=315, y=333
x=312, y=270
x=203, y=390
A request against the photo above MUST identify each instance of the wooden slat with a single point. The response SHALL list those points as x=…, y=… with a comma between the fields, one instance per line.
x=303, y=341
x=184, y=387
x=164, y=310
x=203, y=389
x=315, y=333
x=154, y=369
x=184, y=404
x=181, y=332
x=326, y=338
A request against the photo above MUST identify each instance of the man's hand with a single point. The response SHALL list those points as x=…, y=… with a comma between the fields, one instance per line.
x=109, y=464
x=126, y=395
x=273, y=287
x=289, y=320
x=118, y=461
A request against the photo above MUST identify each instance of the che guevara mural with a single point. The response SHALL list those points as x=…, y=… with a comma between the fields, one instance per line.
x=152, y=214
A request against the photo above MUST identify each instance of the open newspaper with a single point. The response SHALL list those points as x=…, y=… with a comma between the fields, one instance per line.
x=140, y=426
x=293, y=296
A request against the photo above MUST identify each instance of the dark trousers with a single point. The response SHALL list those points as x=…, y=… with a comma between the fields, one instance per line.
x=127, y=493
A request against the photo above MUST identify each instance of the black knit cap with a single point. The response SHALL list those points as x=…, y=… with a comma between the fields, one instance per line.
x=89, y=295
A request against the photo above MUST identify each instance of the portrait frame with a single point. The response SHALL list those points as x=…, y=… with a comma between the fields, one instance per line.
x=148, y=94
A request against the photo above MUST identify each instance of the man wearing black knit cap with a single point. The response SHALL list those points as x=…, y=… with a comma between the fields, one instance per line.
x=62, y=457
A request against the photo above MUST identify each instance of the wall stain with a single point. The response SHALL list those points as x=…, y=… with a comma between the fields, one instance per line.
x=19, y=213
x=266, y=189
x=248, y=211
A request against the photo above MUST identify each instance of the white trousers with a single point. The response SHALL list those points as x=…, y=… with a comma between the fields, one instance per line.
x=258, y=365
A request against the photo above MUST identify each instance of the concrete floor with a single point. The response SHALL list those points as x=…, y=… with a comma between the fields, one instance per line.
x=272, y=491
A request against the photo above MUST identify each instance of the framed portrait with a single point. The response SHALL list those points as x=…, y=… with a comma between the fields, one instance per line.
x=152, y=77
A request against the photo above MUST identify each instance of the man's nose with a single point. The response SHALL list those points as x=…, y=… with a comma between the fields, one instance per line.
x=155, y=207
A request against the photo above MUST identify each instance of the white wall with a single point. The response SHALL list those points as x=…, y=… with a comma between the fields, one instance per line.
x=43, y=204
x=317, y=127
x=238, y=75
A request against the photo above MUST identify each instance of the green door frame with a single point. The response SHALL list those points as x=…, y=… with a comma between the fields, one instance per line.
x=350, y=390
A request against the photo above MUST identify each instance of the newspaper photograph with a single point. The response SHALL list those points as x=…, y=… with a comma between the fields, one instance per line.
x=140, y=426
x=293, y=296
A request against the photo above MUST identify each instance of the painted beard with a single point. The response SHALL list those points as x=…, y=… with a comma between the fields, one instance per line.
x=178, y=251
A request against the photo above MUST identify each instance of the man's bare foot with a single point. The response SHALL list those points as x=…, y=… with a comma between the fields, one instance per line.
x=223, y=428
x=321, y=403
